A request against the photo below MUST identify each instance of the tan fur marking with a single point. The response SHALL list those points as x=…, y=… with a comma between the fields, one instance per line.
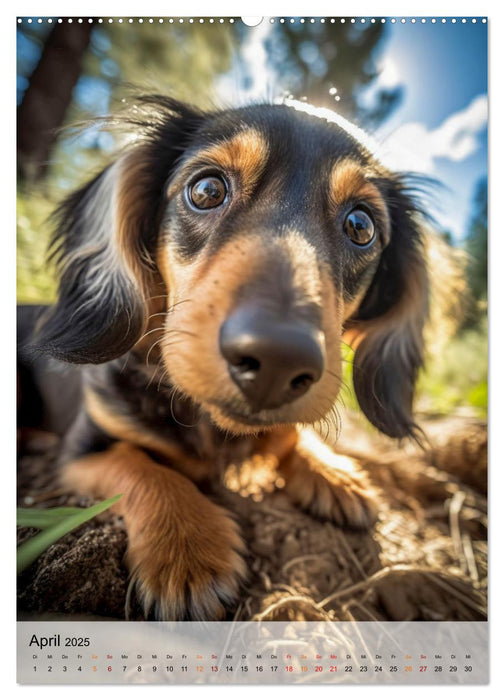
x=349, y=181
x=195, y=363
x=245, y=153
x=207, y=290
x=178, y=541
x=132, y=193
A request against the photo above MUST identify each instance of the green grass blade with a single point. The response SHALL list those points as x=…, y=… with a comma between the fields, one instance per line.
x=43, y=517
x=31, y=550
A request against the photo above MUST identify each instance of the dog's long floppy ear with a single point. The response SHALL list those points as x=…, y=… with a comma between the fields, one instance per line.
x=387, y=330
x=104, y=239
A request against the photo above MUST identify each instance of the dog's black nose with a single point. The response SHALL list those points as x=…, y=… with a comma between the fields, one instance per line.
x=273, y=360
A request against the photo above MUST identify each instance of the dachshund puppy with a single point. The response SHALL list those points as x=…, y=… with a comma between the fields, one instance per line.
x=207, y=279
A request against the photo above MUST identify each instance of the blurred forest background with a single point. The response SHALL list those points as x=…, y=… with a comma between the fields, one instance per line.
x=80, y=71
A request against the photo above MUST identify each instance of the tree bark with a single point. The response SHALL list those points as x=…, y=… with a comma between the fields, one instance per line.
x=48, y=96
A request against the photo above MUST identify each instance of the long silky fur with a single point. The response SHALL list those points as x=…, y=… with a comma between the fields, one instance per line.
x=390, y=322
x=101, y=310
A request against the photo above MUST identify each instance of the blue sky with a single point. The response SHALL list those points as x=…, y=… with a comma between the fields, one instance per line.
x=443, y=71
x=442, y=67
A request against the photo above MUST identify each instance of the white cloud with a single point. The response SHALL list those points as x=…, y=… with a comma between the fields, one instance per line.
x=389, y=75
x=414, y=147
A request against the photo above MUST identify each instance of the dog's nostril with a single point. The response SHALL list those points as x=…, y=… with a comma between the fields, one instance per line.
x=302, y=382
x=247, y=364
x=272, y=360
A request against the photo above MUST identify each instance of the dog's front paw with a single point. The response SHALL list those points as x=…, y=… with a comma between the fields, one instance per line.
x=329, y=486
x=188, y=569
x=184, y=552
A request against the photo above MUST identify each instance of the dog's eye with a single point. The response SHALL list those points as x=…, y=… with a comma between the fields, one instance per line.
x=207, y=193
x=359, y=227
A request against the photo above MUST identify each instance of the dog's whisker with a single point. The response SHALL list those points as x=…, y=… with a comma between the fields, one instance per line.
x=159, y=313
x=158, y=296
x=166, y=345
x=153, y=375
x=177, y=303
x=125, y=364
x=174, y=342
x=157, y=342
x=167, y=331
x=334, y=374
x=183, y=425
x=329, y=417
x=336, y=420
x=164, y=374
x=183, y=331
x=153, y=330
x=167, y=296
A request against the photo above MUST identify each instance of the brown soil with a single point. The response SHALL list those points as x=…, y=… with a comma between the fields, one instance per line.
x=425, y=559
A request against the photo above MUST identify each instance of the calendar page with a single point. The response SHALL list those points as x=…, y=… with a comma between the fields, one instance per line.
x=252, y=350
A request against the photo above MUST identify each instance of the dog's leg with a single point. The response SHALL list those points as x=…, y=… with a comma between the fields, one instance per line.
x=183, y=551
x=326, y=484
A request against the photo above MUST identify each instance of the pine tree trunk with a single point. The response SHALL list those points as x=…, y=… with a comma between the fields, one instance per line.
x=48, y=96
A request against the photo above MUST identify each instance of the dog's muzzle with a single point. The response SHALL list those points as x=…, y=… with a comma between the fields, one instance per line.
x=273, y=360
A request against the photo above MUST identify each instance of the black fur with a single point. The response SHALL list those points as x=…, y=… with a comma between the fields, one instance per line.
x=387, y=361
